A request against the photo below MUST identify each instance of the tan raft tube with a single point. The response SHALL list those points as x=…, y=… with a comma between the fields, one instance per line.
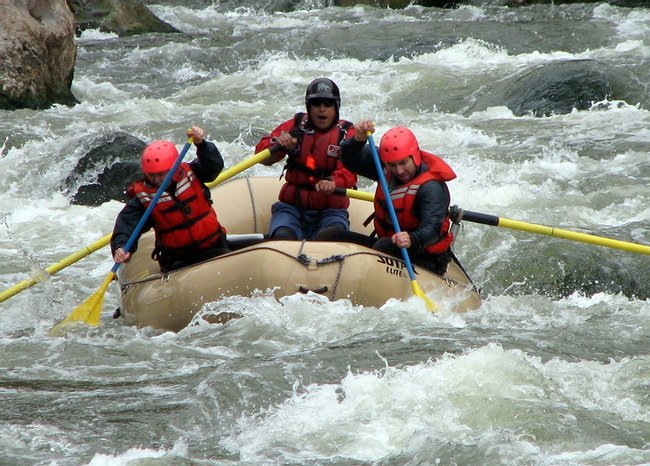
x=332, y=269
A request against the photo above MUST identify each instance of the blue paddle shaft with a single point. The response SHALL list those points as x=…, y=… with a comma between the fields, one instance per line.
x=168, y=178
x=389, y=203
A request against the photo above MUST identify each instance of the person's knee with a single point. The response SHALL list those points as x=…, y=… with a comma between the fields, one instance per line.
x=284, y=233
x=338, y=226
x=331, y=233
x=384, y=244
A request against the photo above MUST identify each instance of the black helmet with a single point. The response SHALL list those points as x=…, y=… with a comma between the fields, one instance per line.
x=323, y=88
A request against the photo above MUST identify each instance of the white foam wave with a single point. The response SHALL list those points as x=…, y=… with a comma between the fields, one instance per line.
x=91, y=35
x=178, y=454
x=371, y=416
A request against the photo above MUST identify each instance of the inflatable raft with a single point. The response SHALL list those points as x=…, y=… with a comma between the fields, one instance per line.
x=336, y=270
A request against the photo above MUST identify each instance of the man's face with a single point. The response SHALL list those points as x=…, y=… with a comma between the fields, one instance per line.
x=404, y=170
x=322, y=113
x=156, y=179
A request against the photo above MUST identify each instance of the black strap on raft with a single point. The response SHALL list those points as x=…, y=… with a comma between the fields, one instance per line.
x=370, y=218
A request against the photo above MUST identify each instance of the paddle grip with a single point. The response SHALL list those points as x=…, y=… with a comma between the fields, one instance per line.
x=477, y=217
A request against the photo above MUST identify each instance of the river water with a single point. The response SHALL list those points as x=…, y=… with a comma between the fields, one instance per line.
x=553, y=369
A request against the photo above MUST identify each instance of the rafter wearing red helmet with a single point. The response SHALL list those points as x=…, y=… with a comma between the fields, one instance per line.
x=186, y=225
x=417, y=181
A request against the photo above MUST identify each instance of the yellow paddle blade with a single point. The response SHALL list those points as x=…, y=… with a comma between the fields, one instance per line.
x=417, y=291
x=87, y=312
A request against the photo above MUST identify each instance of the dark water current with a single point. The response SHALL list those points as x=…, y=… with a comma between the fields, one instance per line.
x=544, y=113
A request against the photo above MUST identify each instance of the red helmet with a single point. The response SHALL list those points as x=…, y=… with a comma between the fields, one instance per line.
x=159, y=156
x=398, y=143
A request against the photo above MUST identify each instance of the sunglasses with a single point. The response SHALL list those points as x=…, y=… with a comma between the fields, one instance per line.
x=318, y=102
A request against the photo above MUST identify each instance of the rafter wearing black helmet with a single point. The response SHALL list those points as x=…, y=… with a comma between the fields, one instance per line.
x=310, y=141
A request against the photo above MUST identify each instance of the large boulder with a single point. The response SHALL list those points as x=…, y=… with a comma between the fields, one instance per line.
x=558, y=88
x=105, y=171
x=37, y=47
x=37, y=54
x=122, y=17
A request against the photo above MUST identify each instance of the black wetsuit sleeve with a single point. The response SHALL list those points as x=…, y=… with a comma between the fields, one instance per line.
x=431, y=207
x=208, y=163
x=125, y=225
x=357, y=157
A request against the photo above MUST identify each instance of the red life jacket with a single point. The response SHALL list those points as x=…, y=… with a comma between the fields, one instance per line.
x=314, y=158
x=184, y=218
x=403, y=198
